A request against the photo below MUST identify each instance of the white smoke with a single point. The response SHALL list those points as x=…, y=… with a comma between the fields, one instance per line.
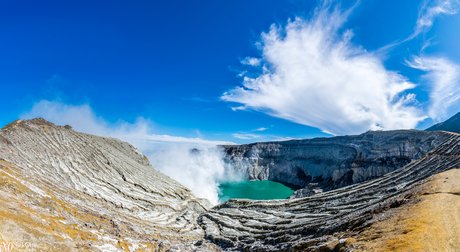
x=201, y=171
x=199, y=168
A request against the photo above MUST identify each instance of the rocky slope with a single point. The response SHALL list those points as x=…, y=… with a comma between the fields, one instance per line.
x=427, y=221
x=315, y=223
x=452, y=125
x=323, y=164
x=62, y=190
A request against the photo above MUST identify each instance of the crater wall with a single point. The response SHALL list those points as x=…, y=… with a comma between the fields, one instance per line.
x=62, y=190
x=312, y=223
x=327, y=163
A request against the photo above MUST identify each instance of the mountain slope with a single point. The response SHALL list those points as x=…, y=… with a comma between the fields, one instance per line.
x=452, y=125
x=428, y=221
x=307, y=224
x=63, y=190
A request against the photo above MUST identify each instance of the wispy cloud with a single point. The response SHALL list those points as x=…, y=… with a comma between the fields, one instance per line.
x=239, y=108
x=443, y=74
x=260, y=129
x=284, y=139
x=245, y=136
x=430, y=10
x=311, y=74
x=83, y=118
x=251, y=61
x=198, y=99
x=444, y=78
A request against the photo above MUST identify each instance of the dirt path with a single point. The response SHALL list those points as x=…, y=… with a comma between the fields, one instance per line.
x=430, y=223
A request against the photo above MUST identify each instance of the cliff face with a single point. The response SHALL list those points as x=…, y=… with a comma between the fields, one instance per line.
x=62, y=190
x=328, y=163
x=326, y=221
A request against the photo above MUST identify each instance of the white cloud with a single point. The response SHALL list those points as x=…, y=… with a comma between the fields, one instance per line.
x=245, y=136
x=201, y=172
x=431, y=9
x=82, y=118
x=313, y=75
x=444, y=77
x=241, y=74
x=251, y=61
x=260, y=129
x=284, y=139
x=239, y=108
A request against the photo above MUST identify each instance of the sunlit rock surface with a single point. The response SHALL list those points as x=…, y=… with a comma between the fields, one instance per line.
x=322, y=164
x=62, y=190
x=428, y=221
x=317, y=222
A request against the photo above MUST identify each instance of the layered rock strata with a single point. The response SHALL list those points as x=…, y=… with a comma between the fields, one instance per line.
x=306, y=224
x=328, y=163
x=428, y=221
x=62, y=190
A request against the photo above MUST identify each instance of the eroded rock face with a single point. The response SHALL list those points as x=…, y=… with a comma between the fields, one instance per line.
x=428, y=221
x=61, y=190
x=329, y=163
x=308, y=223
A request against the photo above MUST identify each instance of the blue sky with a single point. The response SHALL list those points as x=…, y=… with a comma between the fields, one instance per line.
x=230, y=71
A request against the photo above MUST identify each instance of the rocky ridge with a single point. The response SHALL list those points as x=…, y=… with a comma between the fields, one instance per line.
x=62, y=190
x=307, y=224
x=71, y=191
x=323, y=164
x=452, y=125
x=427, y=221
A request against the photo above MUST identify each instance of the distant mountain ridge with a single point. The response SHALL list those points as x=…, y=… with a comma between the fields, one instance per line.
x=452, y=125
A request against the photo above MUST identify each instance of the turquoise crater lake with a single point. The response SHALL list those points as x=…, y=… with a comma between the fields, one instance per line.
x=256, y=190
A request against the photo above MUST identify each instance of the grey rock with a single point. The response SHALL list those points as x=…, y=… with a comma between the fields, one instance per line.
x=109, y=188
x=305, y=223
x=102, y=177
x=323, y=164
